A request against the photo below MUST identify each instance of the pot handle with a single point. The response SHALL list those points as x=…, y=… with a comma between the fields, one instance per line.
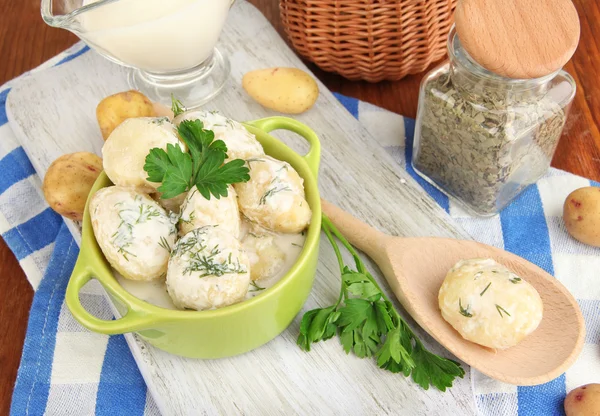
x=133, y=320
x=313, y=157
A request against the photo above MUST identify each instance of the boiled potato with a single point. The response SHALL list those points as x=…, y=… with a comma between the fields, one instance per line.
x=583, y=401
x=114, y=109
x=134, y=232
x=266, y=258
x=68, y=182
x=581, y=214
x=488, y=304
x=170, y=204
x=274, y=196
x=124, y=152
x=241, y=144
x=207, y=270
x=197, y=212
x=287, y=90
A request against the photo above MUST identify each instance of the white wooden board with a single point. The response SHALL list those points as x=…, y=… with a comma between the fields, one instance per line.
x=53, y=112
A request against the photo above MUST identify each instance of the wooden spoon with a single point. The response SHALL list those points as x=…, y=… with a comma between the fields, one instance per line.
x=415, y=269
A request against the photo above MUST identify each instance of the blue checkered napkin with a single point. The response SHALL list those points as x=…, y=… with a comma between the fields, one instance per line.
x=67, y=370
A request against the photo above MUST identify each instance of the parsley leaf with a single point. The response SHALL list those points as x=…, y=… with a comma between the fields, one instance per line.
x=393, y=355
x=200, y=142
x=214, y=178
x=156, y=165
x=359, y=285
x=177, y=173
x=368, y=325
x=317, y=324
x=202, y=167
x=431, y=369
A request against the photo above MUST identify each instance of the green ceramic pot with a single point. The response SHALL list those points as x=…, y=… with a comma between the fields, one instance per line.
x=217, y=333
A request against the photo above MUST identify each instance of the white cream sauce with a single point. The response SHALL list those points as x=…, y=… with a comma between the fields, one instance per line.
x=155, y=292
x=156, y=35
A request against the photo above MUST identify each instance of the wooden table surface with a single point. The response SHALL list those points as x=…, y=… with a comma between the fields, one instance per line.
x=27, y=42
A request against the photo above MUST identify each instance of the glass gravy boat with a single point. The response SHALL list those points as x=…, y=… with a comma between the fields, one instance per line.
x=170, y=44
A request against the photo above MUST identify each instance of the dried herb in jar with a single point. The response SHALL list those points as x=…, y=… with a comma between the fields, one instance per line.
x=484, y=145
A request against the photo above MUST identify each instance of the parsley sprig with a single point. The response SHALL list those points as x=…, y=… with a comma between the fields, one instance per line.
x=202, y=167
x=176, y=106
x=368, y=325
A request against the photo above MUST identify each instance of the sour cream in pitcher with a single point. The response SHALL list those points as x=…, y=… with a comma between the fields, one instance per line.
x=156, y=35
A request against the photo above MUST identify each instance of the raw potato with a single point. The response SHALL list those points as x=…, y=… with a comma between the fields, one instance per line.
x=583, y=401
x=581, y=214
x=68, y=182
x=114, y=109
x=287, y=90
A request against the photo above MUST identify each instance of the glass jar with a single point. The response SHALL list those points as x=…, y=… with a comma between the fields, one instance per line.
x=482, y=138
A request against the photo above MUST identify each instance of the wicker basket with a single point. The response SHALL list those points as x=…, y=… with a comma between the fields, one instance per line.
x=372, y=40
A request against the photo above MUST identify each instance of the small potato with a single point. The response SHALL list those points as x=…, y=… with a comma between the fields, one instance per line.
x=265, y=256
x=114, y=109
x=207, y=270
x=274, y=196
x=583, y=401
x=197, y=212
x=68, y=182
x=241, y=144
x=287, y=90
x=135, y=234
x=124, y=152
x=582, y=215
x=171, y=204
x=488, y=304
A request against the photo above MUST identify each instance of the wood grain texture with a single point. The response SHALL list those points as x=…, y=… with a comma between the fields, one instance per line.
x=27, y=42
x=415, y=269
x=518, y=38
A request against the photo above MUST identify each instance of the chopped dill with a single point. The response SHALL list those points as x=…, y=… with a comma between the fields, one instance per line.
x=190, y=219
x=146, y=212
x=186, y=245
x=478, y=275
x=297, y=245
x=208, y=266
x=206, y=263
x=123, y=237
x=230, y=123
x=254, y=159
x=160, y=120
x=164, y=244
x=500, y=309
x=255, y=287
x=486, y=288
x=272, y=192
x=516, y=280
x=464, y=311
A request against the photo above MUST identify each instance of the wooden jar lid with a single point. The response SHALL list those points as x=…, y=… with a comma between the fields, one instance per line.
x=518, y=38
